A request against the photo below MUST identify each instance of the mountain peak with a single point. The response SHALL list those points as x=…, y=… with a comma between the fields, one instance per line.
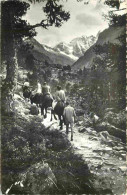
x=77, y=46
x=109, y=35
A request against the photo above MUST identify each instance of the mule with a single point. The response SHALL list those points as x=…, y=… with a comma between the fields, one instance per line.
x=46, y=102
x=58, y=110
x=36, y=98
x=26, y=93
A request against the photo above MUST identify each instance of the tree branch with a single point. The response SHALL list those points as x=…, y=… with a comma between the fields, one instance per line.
x=117, y=10
x=41, y=24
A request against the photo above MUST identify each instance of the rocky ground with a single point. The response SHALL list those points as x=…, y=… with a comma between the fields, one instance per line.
x=104, y=154
x=39, y=158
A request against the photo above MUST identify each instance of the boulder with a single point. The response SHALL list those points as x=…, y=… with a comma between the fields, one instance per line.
x=79, y=112
x=38, y=179
x=116, y=119
x=112, y=130
x=34, y=110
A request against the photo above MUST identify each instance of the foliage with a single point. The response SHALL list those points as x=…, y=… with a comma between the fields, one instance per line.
x=26, y=142
x=11, y=14
x=113, y=3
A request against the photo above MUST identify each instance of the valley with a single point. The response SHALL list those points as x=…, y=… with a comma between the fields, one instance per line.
x=38, y=157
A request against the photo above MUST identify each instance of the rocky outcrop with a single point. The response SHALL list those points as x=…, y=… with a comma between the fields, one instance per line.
x=112, y=130
x=39, y=179
x=34, y=110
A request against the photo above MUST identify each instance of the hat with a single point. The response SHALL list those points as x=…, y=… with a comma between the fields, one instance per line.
x=58, y=87
x=67, y=103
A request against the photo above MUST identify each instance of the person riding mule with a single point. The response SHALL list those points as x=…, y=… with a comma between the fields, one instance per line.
x=46, y=89
x=60, y=95
x=26, y=89
x=46, y=99
x=59, y=106
x=26, y=85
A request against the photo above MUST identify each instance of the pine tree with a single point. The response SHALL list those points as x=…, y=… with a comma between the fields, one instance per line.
x=15, y=29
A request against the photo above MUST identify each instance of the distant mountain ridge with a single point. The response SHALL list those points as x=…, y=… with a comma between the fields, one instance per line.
x=63, y=54
x=110, y=35
x=77, y=47
x=44, y=53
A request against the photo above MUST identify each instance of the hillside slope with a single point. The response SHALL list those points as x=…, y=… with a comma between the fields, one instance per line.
x=108, y=35
x=45, y=53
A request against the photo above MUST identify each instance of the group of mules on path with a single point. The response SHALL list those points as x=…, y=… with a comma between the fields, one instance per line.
x=45, y=102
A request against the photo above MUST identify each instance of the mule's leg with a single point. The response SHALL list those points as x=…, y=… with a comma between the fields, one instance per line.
x=71, y=132
x=45, y=116
x=51, y=114
x=64, y=120
x=61, y=122
x=42, y=110
x=55, y=117
x=67, y=128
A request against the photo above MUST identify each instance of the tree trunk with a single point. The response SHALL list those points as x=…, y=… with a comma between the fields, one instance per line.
x=12, y=71
x=10, y=83
x=9, y=55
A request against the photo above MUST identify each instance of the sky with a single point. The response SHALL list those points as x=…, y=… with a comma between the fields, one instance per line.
x=85, y=20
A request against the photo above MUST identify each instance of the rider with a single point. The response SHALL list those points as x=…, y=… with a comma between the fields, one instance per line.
x=39, y=87
x=26, y=84
x=60, y=95
x=46, y=89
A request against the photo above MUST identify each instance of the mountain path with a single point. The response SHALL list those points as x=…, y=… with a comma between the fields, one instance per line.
x=104, y=162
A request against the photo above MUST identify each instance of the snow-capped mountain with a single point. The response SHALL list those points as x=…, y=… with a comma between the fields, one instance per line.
x=109, y=35
x=77, y=47
x=44, y=53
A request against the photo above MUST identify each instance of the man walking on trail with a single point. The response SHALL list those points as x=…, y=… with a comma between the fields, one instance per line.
x=60, y=95
x=69, y=118
x=46, y=89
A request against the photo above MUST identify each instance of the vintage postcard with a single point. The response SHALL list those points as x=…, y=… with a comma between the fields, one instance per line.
x=63, y=97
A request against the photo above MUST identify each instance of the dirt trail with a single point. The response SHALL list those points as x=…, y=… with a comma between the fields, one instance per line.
x=106, y=163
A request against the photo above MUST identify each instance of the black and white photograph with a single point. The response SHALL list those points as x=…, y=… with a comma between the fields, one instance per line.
x=63, y=97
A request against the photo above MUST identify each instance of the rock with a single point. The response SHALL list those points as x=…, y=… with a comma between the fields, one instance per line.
x=109, y=109
x=118, y=148
x=95, y=118
x=112, y=130
x=89, y=130
x=79, y=112
x=94, y=138
x=123, y=168
x=104, y=134
x=104, y=150
x=82, y=130
x=34, y=110
x=116, y=119
x=106, y=191
x=37, y=119
x=38, y=179
x=18, y=97
x=26, y=112
x=106, y=138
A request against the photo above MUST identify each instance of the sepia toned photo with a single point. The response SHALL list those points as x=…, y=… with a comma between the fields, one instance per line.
x=63, y=97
